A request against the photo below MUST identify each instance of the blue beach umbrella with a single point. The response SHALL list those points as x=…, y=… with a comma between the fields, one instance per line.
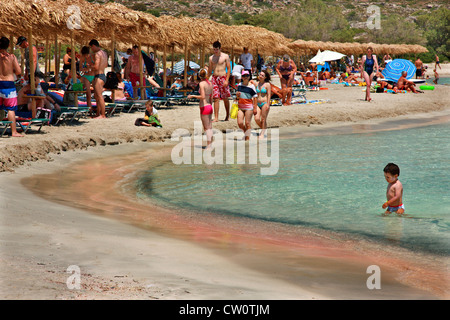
x=178, y=67
x=393, y=70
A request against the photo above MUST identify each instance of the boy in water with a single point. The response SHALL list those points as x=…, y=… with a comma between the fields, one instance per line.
x=436, y=77
x=394, y=191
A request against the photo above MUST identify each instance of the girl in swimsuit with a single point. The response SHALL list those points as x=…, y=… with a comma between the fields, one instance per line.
x=369, y=64
x=246, y=95
x=206, y=109
x=286, y=69
x=263, y=89
x=86, y=62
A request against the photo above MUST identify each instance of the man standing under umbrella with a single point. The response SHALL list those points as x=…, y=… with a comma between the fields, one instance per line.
x=8, y=94
x=132, y=70
x=23, y=43
x=100, y=64
x=247, y=61
x=220, y=68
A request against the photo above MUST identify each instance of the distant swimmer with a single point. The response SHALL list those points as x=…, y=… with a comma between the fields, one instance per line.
x=394, y=191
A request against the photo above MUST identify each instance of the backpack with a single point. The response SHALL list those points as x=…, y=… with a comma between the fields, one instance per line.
x=111, y=81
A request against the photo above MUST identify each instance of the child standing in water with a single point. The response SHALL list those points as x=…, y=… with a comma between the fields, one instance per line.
x=205, y=104
x=394, y=191
x=436, y=77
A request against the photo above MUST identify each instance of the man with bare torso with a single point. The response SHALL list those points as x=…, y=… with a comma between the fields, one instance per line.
x=405, y=84
x=22, y=42
x=8, y=94
x=100, y=64
x=220, y=68
x=132, y=69
x=419, y=68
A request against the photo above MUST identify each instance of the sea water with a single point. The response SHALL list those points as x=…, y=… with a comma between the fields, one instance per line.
x=329, y=182
x=443, y=81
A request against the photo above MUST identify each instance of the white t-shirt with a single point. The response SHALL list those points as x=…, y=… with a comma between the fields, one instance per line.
x=246, y=59
x=237, y=71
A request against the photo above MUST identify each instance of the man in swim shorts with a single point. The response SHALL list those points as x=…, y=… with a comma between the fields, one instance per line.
x=419, y=68
x=8, y=94
x=220, y=68
x=100, y=63
x=22, y=42
x=132, y=69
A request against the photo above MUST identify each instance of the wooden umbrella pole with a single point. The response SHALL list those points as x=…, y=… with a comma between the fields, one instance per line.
x=56, y=61
x=49, y=58
x=113, y=58
x=164, y=68
x=172, y=57
x=202, y=56
x=141, y=75
x=11, y=44
x=73, y=62
x=46, y=57
x=59, y=59
x=232, y=54
x=113, y=48
x=185, y=63
x=31, y=62
x=31, y=72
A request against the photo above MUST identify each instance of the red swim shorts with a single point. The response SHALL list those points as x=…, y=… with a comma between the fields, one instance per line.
x=134, y=78
x=219, y=91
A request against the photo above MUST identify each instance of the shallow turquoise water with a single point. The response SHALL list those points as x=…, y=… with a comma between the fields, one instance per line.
x=332, y=182
x=445, y=81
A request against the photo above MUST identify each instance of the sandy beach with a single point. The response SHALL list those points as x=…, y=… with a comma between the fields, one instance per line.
x=120, y=258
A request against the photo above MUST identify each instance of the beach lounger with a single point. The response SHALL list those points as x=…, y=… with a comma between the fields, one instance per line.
x=25, y=124
x=69, y=114
x=139, y=106
x=4, y=125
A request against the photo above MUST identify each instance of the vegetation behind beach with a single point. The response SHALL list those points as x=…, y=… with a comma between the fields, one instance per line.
x=407, y=21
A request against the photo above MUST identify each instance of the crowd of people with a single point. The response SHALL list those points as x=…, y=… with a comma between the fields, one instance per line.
x=213, y=82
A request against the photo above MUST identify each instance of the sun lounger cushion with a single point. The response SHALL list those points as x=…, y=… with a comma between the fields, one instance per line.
x=59, y=96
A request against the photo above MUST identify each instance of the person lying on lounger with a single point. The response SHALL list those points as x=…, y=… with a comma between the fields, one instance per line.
x=384, y=84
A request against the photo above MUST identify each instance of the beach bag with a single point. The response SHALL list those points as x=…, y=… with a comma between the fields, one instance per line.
x=111, y=81
x=42, y=113
x=69, y=97
x=234, y=110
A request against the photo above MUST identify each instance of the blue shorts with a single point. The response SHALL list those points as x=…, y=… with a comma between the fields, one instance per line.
x=8, y=96
x=395, y=209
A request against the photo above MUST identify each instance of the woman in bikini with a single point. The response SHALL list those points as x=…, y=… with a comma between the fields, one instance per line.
x=286, y=69
x=206, y=109
x=369, y=68
x=263, y=89
x=86, y=62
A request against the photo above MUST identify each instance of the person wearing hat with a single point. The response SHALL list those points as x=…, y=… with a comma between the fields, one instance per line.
x=246, y=95
x=23, y=43
x=286, y=70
